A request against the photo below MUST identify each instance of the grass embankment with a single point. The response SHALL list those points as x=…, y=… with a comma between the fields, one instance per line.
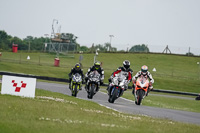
x=180, y=73
x=53, y=112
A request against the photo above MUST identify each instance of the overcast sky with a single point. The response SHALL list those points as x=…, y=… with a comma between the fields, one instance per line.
x=156, y=23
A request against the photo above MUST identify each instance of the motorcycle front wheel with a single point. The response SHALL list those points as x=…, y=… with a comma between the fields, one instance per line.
x=113, y=95
x=140, y=94
x=75, y=90
x=91, y=91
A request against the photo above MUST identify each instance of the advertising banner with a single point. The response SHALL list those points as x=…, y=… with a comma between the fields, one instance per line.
x=19, y=86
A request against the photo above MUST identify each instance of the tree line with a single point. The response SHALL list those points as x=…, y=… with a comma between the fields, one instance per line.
x=6, y=42
x=38, y=44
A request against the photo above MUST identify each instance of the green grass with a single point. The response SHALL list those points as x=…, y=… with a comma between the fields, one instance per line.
x=53, y=112
x=176, y=84
x=167, y=102
x=179, y=73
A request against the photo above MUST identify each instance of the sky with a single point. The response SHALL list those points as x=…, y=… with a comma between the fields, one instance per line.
x=156, y=23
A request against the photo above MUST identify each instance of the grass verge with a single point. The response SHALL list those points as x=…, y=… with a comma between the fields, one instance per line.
x=54, y=112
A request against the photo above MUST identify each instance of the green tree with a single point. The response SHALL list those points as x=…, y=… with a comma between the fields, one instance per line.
x=29, y=38
x=3, y=36
x=5, y=41
x=84, y=48
x=122, y=51
x=19, y=42
x=100, y=47
x=107, y=46
x=139, y=48
x=189, y=54
x=113, y=49
x=36, y=44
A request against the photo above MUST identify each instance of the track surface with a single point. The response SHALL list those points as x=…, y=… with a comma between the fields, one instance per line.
x=126, y=106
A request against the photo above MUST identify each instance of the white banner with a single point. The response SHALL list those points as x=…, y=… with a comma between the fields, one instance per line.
x=18, y=86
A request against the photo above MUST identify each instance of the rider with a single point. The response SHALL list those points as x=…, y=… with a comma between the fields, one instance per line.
x=76, y=69
x=144, y=72
x=99, y=69
x=126, y=71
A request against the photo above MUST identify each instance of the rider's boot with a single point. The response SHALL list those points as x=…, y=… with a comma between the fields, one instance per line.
x=149, y=89
x=147, y=92
x=133, y=91
x=108, y=89
x=125, y=88
x=70, y=86
x=85, y=87
x=80, y=87
x=98, y=88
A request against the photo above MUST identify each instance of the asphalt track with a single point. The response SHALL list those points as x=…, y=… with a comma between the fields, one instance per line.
x=126, y=106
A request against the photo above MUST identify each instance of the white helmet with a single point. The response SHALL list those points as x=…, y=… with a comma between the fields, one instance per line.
x=144, y=69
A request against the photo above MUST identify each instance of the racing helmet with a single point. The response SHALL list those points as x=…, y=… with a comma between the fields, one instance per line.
x=77, y=66
x=126, y=64
x=144, y=70
x=97, y=65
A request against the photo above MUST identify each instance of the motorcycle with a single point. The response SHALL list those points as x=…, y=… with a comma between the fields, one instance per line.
x=93, y=84
x=76, y=84
x=117, y=89
x=141, y=87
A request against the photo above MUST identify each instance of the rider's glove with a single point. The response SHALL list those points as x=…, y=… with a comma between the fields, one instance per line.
x=150, y=83
x=134, y=81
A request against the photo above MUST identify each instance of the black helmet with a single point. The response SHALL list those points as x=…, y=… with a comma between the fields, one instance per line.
x=77, y=66
x=144, y=69
x=97, y=65
x=126, y=64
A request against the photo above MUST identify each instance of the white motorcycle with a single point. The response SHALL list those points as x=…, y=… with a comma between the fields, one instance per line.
x=117, y=87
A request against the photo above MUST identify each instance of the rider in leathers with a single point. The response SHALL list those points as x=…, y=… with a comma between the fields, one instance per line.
x=126, y=71
x=144, y=72
x=76, y=69
x=99, y=69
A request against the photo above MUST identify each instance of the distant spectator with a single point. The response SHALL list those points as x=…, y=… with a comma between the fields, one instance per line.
x=198, y=97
